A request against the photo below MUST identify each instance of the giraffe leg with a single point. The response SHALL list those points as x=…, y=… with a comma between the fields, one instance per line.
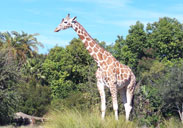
x=127, y=105
x=113, y=90
x=129, y=97
x=123, y=94
x=100, y=86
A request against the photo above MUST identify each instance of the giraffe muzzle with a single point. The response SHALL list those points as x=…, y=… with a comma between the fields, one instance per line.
x=57, y=30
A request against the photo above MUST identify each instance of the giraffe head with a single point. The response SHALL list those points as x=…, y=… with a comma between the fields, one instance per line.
x=66, y=22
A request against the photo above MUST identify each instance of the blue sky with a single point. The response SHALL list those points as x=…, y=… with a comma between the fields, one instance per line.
x=103, y=19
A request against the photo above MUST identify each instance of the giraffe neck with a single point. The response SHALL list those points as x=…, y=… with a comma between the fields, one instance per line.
x=94, y=49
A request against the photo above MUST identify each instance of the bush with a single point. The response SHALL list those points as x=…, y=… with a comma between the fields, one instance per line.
x=34, y=99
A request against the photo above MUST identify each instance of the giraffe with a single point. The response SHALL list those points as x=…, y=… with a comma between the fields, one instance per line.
x=110, y=73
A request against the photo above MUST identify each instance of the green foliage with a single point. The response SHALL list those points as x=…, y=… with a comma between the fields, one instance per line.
x=160, y=95
x=148, y=112
x=161, y=40
x=35, y=95
x=166, y=36
x=56, y=69
x=17, y=92
x=32, y=69
x=117, y=48
x=67, y=70
x=134, y=44
x=172, y=89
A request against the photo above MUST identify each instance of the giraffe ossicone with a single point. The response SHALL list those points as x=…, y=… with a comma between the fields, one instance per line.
x=110, y=73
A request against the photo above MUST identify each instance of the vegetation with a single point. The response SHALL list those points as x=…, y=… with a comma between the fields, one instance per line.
x=62, y=84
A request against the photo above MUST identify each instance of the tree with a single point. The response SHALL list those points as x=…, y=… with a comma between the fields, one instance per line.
x=56, y=69
x=160, y=94
x=166, y=37
x=15, y=49
x=70, y=73
x=171, y=91
x=117, y=48
x=19, y=46
x=32, y=69
x=9, y=97
x=131, y=49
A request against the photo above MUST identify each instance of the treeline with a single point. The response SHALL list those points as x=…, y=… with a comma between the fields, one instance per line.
x=65, y=77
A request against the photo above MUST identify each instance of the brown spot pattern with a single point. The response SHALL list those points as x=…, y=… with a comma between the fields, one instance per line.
x=88, y=39
x=121, y=66
x=122, y=71
x=109, y=60
x=104, y=56
x=118, y=64
x=100, y=56
x=97, y=46
x=86, y=44
x=125, y=75
x=102, y=50
x=92, y=44
x=89, y=50
x=117, y=70
x=95, y=49
x=81, y=37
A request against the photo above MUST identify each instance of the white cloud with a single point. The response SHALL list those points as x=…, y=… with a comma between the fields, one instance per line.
x=177, y=7
x=106, y=3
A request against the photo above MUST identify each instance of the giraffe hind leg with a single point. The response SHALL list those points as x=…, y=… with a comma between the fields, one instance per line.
x=113, y=91
x=123, y=95
x=129, y=96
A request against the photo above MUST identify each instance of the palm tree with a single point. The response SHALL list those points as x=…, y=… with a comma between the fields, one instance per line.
x=19, y=46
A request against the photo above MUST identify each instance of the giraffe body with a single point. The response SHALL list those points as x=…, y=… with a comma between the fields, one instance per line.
x=110, y=73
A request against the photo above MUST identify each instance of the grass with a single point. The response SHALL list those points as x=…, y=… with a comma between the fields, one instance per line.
x=86, y=119
x=10, y=126
x=70, y=118
x=172, y=123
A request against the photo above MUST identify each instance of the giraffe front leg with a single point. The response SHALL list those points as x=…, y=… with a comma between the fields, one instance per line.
x=100, y=86
x=113, y=90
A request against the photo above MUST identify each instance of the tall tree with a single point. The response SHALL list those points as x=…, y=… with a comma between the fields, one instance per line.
x=19, y=46
x=9, y=78
x=166, y=37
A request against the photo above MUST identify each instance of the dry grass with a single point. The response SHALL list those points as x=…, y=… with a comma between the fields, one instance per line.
x=172, y=123
x=77, y=119
x=28, y=126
